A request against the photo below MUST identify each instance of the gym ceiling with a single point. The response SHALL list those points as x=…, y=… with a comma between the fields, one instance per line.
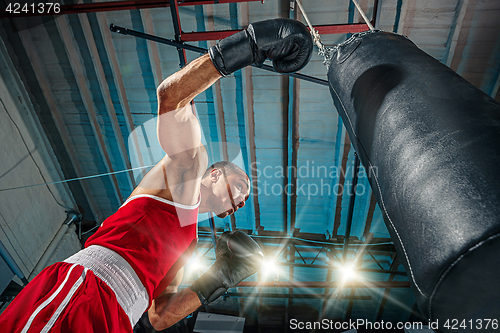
x=94, y=92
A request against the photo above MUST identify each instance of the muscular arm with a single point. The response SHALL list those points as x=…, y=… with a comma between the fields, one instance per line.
x=181, y=87
x=170, y=307
x=179, y=135
x=178, y=129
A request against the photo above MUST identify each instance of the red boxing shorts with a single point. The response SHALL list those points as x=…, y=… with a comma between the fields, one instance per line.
x=95, y=294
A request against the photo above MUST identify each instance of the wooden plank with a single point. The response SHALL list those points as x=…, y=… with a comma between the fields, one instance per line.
x=122, y=94
x=77, y=66
x=154, y=56
x=103, y=84
x=455, y=30
x=250, y=124
x=219, y=109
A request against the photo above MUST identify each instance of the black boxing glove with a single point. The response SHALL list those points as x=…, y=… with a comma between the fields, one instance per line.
x=286, y=42
x=237, y=257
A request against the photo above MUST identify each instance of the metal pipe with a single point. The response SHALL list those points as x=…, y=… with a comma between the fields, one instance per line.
x=276, y=295
x=363, y=15
x=285, y=86
x=352, y=198
x=383, y=247
x=177, y=31
x=371, y=270
x=125, y=31
x=387, y=291
x=295, y=145
x=72, y=217
x=12, y=264
x=322, y=284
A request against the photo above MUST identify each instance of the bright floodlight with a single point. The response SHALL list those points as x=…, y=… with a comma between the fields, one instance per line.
x=196, y=264
x=269, y=266
x=348, y=272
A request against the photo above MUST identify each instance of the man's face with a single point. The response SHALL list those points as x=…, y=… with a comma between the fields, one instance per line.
x=231, y=191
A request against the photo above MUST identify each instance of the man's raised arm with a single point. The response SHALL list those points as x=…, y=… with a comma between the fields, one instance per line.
x=177, y=128
x=286, y=42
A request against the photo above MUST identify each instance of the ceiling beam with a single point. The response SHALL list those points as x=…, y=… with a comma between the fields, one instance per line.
x=350, y=209
x=221, y=121
x=250, y=125
x=176, y=21
x=377, y=10
x=406, y=18
x=369, y=216
x=103, y=85
x=455, y=29
x=328, y=281
x=38, y=68
x=250, y=121
x=368, y=270
x=285, y=6
x=76, y=62
x=343, y=170
x=154, y=56
x=385, y=297
x=291, y=273
x=295, y=138
x=285, y=93
x=336, y=158
x=378, y=246
x=120, y=87
x=321, y=284
x=219, y=110
x=290, y=296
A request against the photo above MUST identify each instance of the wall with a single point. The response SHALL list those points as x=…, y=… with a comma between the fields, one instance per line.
x=29, y=217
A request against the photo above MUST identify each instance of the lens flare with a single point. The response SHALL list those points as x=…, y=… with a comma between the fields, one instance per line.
x=269, y=268
x=196, y=264
x=348, y=273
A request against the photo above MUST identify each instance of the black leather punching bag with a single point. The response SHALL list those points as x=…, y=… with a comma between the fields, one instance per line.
x=431, y=142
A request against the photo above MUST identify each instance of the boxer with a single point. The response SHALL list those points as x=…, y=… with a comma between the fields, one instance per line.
x=136, y=253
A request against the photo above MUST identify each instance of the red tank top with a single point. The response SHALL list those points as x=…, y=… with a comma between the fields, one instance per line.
x=155, y=236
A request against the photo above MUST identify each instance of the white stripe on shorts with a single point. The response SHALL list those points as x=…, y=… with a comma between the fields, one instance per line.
x=65, y=302
x=46, y=302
